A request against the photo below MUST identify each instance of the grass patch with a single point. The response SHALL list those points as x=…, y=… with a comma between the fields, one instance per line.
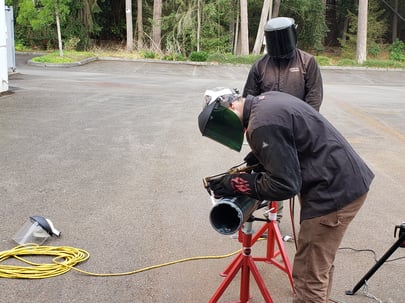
x=68, y=57
x=232, y=59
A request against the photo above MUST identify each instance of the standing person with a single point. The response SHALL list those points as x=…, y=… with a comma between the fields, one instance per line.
x=300, y=152
x=285, y=68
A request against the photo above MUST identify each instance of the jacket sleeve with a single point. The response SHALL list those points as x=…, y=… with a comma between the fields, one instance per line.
x=313, y=84
x=275, y=149
x=251, y=85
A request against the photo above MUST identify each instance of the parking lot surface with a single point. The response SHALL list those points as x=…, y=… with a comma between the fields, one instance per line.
x=110, y=151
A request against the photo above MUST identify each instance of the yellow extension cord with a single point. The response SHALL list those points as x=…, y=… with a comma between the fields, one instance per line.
x=65, y=258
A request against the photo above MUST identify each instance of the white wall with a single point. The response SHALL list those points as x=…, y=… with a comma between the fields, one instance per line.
x=3, y=48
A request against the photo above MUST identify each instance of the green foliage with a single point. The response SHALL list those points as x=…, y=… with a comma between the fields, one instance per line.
x=36, y=22
x=84, y=22
x=20, y=46
x=347, y=62
x=149, y=54
x=199, y=56
x=374, y=49
x=397, y=49
x=52, y=59
x=376, y=29
x=72, y=43
x=322, y=60
x=216, y=34
x=68, y=57
x=174, y=57
x=232, y=59
x=382, y=64
x=310, y=18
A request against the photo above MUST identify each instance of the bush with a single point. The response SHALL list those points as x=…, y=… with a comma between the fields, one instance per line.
x=174, y=57
x=374, y=50
x=199, y=56
x=149, y=54
x=397, y=50
x=72, y=43
x=322, y=60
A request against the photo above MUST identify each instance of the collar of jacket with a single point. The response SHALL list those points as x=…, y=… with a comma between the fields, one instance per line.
x=246, y=110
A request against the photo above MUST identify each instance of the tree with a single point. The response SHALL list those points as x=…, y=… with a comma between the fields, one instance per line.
x=266, y=10
x=157, y=25
x=139, y=23
x=41, y=14
x=128, y=18
x=361, y=49
x=244, y=29
x=310, y=18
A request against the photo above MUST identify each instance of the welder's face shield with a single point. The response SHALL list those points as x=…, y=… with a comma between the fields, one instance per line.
x=281, y=37
x=221, y=124
x=36, y=230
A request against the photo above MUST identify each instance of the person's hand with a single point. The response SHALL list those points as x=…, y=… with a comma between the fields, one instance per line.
x=251, y=160
x=234, y=185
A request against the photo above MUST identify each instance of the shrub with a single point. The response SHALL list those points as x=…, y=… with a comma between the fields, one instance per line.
x=397, y=50
x=199, y=56
x=72, y=43
x=149, y=54
x=322, y=60
x=174, y=57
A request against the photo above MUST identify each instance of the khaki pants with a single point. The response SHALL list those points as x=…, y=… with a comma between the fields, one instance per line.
x=318, y=241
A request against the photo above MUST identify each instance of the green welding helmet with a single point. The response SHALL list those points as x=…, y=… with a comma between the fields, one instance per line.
x=218, y=122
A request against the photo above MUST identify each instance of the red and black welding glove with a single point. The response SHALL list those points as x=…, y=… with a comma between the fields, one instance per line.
x=235, y=185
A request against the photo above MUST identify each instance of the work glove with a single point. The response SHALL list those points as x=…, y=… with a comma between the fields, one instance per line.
x=251, y=160
x=234, y=185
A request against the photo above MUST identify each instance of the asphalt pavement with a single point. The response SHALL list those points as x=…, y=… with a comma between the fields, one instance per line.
x=110, y=151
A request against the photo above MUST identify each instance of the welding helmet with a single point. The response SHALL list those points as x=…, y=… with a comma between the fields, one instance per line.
x=36, y=230
x=281, y=37
x=217, y=121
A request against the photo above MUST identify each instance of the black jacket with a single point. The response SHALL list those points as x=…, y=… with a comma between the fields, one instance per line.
x=299, y=76
x=302, y=153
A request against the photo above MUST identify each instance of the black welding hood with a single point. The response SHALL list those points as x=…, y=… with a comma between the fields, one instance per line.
x=218, y=122
x=281, y=37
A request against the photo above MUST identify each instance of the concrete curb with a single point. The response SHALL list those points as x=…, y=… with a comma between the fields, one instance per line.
x=107, y=58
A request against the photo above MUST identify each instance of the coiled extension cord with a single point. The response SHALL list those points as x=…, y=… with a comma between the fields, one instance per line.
x=65, y=258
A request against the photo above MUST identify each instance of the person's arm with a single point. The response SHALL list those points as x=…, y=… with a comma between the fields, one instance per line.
x=281, y=179
x=275, y=149
x=313, y=84
x=252, y=82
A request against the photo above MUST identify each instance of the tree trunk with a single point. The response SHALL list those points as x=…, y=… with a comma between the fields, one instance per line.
x=395, y=22
x=236, y=47
x=130, y=33
x=244, y=34
x=276, y=8
x=139, y=23
x=361, y=50
x=198, y=24
x=260, y=31
x=59, y=33
x=157, y=25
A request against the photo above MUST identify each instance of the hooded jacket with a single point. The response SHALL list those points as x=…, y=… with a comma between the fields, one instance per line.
x=303, y=153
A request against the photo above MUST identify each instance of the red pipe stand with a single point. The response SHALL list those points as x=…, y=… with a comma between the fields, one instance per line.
x=245, y=262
